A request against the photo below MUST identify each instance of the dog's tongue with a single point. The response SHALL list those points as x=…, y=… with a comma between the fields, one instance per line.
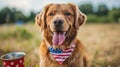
x=58, y=38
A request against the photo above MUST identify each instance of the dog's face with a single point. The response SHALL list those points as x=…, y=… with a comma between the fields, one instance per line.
x=60, y=22
x=60, y=17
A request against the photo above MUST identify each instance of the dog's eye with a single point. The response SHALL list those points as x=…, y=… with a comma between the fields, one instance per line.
x=67, y=13
x=51, y=14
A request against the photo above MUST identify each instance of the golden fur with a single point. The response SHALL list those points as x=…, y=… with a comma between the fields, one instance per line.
x=72, y=20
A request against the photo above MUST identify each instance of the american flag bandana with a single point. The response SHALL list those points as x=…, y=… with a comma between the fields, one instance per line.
x=61, y=55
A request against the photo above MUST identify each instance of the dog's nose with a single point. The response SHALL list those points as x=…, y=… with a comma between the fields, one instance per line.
x=58, y=23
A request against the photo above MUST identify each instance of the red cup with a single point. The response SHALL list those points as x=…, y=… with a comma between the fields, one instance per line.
x=14, y=59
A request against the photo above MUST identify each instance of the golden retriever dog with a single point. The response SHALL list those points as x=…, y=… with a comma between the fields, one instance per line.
x=60, y=47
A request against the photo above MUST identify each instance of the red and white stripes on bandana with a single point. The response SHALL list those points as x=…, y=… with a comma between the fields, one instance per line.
x=61, y=55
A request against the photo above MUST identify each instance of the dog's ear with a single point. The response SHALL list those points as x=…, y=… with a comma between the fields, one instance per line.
x=40, y=18
x=79, y=18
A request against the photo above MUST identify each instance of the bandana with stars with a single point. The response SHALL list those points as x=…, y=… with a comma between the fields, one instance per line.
x=61, y=55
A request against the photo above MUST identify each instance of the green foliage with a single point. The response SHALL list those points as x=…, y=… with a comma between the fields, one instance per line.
x=92, y=18
x=96, y=19
x=102, y=10
x=4, y=15
x=8, y=15
x=86, y=8
x=31, y=16
x=115, y=14
x=20, y=16
x=102, y=14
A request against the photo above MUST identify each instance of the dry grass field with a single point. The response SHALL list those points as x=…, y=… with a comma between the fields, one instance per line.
x=102, y=43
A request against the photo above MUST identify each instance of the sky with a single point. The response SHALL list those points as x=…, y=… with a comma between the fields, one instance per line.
x=36, y=5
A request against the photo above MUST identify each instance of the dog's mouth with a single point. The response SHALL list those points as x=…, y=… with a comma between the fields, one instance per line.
x=58, y=37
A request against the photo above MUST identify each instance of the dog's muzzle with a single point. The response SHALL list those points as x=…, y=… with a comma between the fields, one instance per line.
x=58, y=24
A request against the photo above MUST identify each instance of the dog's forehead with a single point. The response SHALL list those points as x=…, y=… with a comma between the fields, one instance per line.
x=60, y=7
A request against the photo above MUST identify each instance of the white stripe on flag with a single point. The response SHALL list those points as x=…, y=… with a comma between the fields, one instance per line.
x=60, y=59
x=61, y=56
x=68, y=50
x=61, y=53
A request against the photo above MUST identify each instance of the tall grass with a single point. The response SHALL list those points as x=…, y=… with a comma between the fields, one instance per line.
x=102, y=43
x=18, y=33
x=20, y=38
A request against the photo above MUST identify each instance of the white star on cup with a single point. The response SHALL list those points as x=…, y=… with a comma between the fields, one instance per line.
x=12, y=63
x=20, y=61
x=17, y=65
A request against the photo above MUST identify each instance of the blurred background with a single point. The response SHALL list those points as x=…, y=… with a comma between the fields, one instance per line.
x=100, y=35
